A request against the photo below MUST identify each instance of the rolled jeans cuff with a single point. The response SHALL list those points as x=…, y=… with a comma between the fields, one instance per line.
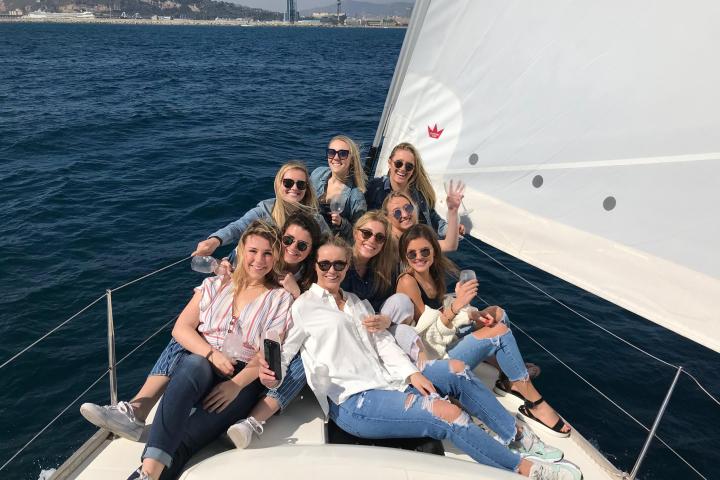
x=159, y=455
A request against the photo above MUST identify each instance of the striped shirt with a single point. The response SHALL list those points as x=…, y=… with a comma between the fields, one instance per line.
x=268, y=312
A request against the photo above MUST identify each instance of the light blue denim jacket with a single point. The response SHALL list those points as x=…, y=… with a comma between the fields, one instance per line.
x=353, y=201
x=231, y=233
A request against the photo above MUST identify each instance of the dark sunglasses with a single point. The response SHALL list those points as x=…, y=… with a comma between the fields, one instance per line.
x=398, y=213
x=289, y=182
x=408, y=166
x=367, y=234
x=342, y=154
x=412, y=254
x=338, y=265
x=288, y=240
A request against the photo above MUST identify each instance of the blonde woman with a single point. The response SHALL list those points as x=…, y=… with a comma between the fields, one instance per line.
x=344, y=180
x=293, y=193
x=407, y=174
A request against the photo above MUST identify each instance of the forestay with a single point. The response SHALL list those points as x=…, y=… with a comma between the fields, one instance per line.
x=588, y=135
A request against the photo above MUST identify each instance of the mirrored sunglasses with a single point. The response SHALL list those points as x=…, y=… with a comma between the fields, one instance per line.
x=398, y=212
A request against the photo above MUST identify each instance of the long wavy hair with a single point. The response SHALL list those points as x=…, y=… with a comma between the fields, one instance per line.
x=307, y=223
x=356, y=169
x=441, y=265
x=384, y=263
x=282, y=209
x=269, y=232
x=419, y=178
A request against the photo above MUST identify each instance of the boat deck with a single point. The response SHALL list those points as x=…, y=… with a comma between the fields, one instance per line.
x=294, y=443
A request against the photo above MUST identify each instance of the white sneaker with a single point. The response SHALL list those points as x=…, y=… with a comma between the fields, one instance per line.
x=531, y=447
x=241, y=432
x=562, y=470
x=119, y=419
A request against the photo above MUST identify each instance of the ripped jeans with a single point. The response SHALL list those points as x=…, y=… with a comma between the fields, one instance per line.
x=473, y=350
x=394, y=414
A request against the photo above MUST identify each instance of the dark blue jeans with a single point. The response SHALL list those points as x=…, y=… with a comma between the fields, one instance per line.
x=176, y=435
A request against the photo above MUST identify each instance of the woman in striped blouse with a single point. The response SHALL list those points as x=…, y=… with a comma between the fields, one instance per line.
x=250, y=306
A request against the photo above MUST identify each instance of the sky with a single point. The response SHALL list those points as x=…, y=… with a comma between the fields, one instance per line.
x=279, y=5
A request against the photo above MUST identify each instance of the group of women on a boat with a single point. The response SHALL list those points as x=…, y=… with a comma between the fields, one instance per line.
x=350, y=277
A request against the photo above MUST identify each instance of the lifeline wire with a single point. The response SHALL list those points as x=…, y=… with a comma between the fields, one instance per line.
x=22, y=449
x=149, y=274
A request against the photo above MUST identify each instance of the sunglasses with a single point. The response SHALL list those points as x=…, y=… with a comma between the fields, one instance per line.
x=289, y=182
x=288, y=240
x=398, y=212
x=408, y=166
x=342, y=154
x=338, y=265
x=368, y=234
x=413, y=254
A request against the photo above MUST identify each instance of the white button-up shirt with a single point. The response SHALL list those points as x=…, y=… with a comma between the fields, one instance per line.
x=341, y=358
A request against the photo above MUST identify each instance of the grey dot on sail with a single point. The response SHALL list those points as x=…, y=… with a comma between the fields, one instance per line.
x=473, y=159
x=609, y=203
x=537, y=181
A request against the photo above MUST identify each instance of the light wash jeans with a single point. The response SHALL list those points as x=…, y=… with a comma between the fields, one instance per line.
x=168, y=360
x=392, y=414
x=473, y=351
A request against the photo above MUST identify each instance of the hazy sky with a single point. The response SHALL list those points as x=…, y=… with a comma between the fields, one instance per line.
x=279, y=5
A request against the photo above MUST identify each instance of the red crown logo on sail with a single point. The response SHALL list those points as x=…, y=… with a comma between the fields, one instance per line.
x=434, y=132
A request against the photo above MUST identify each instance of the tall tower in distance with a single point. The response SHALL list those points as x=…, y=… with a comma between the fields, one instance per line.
x=338, y=12
x=291, y=13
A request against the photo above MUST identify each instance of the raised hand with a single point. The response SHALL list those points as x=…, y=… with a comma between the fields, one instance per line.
x=455, y=194
x=289, y=283
x=464, y=293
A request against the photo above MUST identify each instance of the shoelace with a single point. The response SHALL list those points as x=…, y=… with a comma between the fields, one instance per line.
x=126, y=409
x=255, y=425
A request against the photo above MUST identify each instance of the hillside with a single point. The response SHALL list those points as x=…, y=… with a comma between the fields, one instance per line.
x=359, y=9
x=195, y=9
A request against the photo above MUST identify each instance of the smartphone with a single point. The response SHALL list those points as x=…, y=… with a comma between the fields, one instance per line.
x=272, y=357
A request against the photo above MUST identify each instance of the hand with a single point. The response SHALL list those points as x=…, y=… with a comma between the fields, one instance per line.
x=224, y=269
x=422, y=384
x=376, y=323
x=266, y=375
x=221, y=396
x=206, y=247
x=335, y=219
x=455, y=195
x=289, y=283
x=464, y=293
x=461, y=229
x=482, y=319
x=221, y=363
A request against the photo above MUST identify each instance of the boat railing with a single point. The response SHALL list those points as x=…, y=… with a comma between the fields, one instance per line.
x=111, y=370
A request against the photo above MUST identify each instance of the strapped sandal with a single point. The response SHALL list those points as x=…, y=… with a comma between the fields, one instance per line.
x=503, y=389
x=526, y=414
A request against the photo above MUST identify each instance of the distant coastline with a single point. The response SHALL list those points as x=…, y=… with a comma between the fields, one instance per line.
x=180, y=21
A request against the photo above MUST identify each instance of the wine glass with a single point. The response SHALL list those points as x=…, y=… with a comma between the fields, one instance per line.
x=336, y=205
x=204, y=264
x=467, y=275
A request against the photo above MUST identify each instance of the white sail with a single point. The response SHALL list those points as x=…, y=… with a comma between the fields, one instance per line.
x=588, y=134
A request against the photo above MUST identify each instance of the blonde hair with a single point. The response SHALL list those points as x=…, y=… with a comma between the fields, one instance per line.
x=356, y=168
x=282, y=209
x=419, y=178
x=269, y=232
x=404, y=195
x=383, y=264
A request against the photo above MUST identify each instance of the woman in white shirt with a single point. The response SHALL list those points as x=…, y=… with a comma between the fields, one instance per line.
x=371, y=389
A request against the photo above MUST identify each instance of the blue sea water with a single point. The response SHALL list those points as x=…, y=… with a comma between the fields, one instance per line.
x=122, y=146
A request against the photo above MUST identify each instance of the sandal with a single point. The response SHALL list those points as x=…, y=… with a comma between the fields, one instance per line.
x=526, y=415
x=503, y=389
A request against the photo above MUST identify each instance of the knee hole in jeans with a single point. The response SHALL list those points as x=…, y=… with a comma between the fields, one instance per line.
x=495, y=331
x=448, y=412
x=456, y=366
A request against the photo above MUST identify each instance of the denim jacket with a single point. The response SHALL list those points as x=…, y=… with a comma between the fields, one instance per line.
x=231, y=233
x=380, y=187
x=352, y=198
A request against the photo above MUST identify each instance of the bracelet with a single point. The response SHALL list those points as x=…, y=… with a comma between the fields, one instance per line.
x=453, y=310
x=207, y=357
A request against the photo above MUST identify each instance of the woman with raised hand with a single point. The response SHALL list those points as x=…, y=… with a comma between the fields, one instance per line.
x=340, y=186
x=300, y=237
x=371, y=389
x=424, y=282
x=402, y=213
x=248, y=307
x=293, y=193
x=406, y=174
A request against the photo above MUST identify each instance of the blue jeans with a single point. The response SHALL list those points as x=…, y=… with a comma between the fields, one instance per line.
x=474, y=397
x=175, y=434
x=168, y=360
x=292, y=384
x=394, y=414
x=473, y=350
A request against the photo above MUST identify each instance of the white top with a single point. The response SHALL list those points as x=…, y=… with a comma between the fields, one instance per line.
x=336, y=341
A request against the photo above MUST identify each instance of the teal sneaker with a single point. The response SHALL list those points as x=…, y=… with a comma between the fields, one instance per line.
x=530, y=446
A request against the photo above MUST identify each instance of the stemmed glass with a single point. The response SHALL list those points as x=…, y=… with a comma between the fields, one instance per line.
x=336, y=205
